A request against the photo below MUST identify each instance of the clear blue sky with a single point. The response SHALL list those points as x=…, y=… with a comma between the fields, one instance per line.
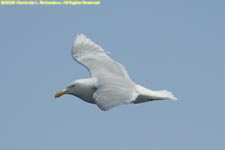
x=175, y=45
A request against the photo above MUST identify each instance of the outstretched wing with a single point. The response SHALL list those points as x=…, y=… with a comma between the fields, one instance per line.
x=95, y=59
x=113, y=91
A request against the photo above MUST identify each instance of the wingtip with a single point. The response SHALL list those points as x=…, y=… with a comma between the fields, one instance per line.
x=81, y=35
x=79, y=39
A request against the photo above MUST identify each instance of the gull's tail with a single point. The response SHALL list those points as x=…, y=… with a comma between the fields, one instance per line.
x=149, y=95
x=164, y=94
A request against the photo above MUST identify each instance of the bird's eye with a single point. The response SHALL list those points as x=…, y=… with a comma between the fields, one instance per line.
x=71, y=86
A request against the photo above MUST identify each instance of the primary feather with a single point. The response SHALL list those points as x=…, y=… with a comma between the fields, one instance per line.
x=95, y=59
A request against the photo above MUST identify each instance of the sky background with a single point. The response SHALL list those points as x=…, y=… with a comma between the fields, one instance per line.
x=177, y=45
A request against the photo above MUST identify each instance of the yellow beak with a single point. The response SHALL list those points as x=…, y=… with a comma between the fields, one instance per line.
x=60, y=93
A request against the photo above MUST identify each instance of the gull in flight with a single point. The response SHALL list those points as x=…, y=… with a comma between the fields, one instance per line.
x=110, y=84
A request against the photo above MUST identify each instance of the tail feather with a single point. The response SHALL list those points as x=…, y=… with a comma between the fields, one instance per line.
x=149, y=95
x=166, y=94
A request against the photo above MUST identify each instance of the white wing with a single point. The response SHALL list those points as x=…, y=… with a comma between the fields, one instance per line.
x=95, y=59
x=113, y=91
x=114, y=86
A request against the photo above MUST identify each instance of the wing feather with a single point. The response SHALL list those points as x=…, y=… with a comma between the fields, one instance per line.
x=111, y=93
x=95, y=59
x=114, y=86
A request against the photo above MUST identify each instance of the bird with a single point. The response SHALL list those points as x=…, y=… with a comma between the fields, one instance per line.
x=109, y=85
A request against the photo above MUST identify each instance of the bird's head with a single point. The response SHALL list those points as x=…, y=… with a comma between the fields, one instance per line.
x=68, y=90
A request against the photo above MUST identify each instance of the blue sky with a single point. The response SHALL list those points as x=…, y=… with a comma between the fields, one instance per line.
x=174, y=45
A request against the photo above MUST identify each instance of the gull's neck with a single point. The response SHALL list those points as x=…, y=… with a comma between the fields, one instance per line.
x=85, y=89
